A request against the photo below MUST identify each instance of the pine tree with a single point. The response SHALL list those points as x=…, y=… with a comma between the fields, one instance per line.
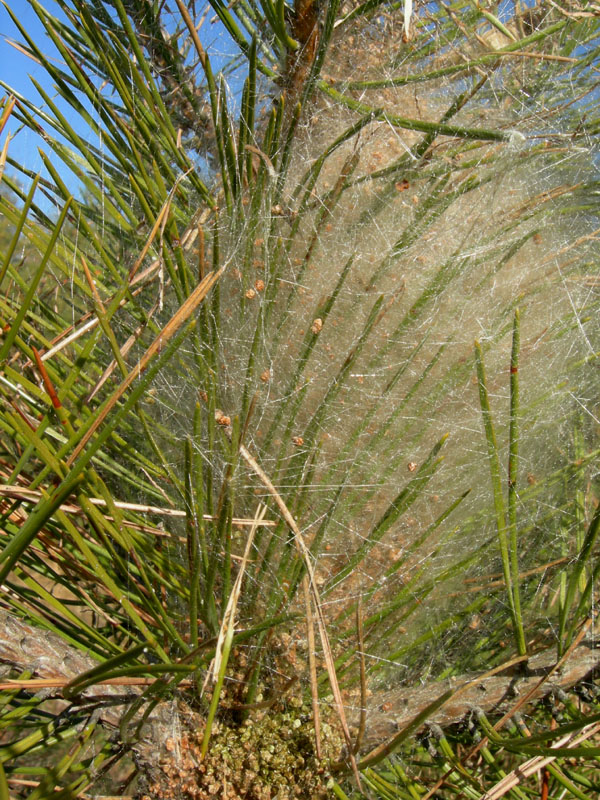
x=299, y=400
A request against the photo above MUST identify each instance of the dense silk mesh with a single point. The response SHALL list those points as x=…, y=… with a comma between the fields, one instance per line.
x=349, y=309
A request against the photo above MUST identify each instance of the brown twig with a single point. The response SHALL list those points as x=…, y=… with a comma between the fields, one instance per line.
x=48, y=385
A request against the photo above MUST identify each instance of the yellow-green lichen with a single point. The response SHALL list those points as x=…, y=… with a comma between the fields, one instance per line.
x=270, y=756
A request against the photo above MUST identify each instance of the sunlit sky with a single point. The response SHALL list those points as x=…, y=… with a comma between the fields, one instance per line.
x=17, y=71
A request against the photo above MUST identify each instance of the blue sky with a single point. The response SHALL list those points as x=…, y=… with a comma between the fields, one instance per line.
x=16, y=67
x=16, y=70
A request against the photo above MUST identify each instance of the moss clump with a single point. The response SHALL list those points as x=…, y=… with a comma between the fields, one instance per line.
x=270, y=756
